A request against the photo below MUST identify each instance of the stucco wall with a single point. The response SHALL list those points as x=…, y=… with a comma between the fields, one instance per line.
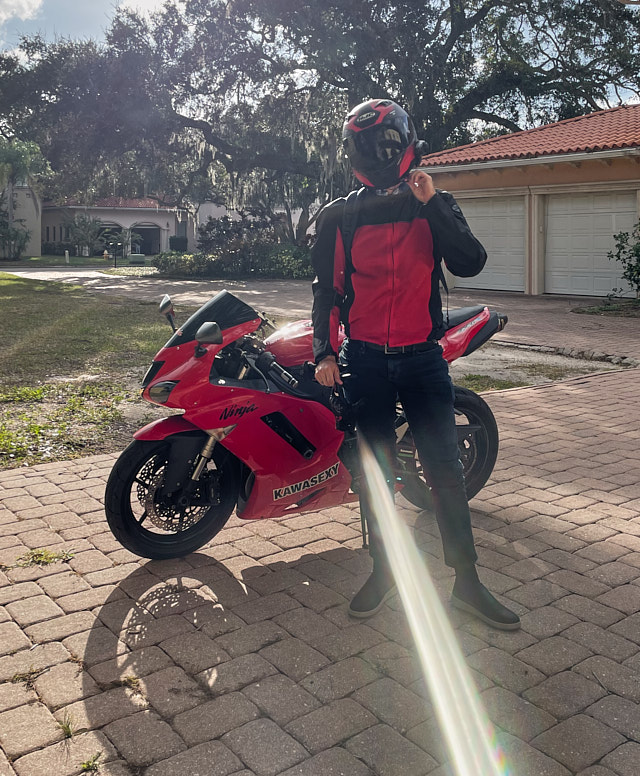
x=624, y=168
x=27, y=209
x=167, y=221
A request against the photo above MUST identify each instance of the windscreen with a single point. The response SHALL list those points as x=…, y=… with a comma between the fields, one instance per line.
x=225, y=309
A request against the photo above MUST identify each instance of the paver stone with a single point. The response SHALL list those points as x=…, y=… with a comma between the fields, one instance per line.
x=26, y=728
x=144, y=739
x=265, y=747
x=578, y=742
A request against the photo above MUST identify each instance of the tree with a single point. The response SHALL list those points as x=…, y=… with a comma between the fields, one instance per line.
x=242, y=101
x=14, y=237
x=124, y=237
x=85, y=232
x=21, y=163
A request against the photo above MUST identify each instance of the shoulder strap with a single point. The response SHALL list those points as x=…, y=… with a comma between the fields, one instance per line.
x=349, y=226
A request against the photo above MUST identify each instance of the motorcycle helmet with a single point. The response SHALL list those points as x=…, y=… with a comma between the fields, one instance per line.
x=379, y=138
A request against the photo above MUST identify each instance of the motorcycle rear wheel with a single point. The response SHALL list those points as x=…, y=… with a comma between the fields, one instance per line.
x=148, y=526
x=477, y=441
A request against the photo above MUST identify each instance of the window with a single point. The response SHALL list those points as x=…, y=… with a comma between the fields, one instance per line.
x=68, y=236
x=54, y=234
x=47, y=234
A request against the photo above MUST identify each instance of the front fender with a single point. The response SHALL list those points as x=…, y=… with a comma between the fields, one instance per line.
x=164, y=427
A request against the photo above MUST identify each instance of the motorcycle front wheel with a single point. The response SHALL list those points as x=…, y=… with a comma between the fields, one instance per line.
x=154, y=526
x=477, y=443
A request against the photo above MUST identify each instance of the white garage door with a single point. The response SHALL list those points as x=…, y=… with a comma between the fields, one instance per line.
x=580, y=229
x=498, y=222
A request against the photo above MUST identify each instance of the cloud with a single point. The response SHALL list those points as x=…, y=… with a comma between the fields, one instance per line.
x=19, y=9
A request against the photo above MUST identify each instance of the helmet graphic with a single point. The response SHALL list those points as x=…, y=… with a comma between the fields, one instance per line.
x=379, y=138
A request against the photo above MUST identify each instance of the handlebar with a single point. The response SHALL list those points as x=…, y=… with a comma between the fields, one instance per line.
x=267, y=363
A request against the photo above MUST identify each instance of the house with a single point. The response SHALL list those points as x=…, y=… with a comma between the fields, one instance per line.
x=154, y=223
x=546, y=202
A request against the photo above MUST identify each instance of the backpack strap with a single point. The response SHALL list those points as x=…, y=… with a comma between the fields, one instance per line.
x=443, y=280
x=348, y=230
x=349, y=226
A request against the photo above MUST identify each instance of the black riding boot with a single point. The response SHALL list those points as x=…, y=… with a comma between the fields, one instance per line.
x=470, y=595
x=376, y=590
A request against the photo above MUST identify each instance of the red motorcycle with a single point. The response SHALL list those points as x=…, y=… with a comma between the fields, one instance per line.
x=258, y=434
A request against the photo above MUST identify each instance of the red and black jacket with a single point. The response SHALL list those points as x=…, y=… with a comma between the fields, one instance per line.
x=389, y=293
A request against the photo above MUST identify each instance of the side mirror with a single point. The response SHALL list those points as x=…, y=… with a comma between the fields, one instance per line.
x=166, y=309
x=209, y=334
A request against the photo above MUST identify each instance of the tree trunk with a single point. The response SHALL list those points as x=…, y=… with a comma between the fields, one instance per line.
x=302, y=225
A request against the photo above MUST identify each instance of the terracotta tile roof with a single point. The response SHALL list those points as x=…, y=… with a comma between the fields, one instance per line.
x=602, y=131
x=116, y=202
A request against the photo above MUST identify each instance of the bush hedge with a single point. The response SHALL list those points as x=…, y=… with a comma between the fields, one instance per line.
x=58, y=248
x=178, y=244
x=239, y=259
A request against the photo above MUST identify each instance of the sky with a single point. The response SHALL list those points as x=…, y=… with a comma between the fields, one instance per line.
x=60, y=18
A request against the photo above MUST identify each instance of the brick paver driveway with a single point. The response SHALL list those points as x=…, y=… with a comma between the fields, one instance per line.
x=241, y=659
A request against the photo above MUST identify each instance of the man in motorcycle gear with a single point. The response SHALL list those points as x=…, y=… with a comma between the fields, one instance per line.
x=377, y=259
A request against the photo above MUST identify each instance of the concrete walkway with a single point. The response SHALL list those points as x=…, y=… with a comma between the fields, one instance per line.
x=241, y=660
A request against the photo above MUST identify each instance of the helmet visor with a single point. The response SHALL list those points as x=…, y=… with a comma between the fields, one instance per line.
x=375, y=147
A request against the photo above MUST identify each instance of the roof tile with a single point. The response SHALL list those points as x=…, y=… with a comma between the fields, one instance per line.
x=615, y=128
x=117, y=202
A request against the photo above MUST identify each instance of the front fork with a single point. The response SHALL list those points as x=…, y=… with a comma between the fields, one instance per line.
x=205, y=456
x=182, y=478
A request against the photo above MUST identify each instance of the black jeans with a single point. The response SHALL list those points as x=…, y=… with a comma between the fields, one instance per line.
x=421, y=381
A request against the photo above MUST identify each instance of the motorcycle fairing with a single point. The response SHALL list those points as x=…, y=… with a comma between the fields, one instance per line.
x=165, y=427
x=225, y=309
x=274, y=463
x=457, y=338
x=472, y=326
x=189, y=368
x=278, y=462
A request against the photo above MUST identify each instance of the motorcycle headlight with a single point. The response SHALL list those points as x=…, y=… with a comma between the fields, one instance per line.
x=159, y=393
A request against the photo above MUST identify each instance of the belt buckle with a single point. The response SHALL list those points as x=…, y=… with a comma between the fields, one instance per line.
x=393, y=350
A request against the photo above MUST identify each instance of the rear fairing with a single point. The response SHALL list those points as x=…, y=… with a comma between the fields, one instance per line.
x=292, y=345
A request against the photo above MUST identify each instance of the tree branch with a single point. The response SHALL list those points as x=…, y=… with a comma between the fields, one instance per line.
x=495, y=119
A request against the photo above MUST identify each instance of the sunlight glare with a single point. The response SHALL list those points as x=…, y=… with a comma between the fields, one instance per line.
x=464, y=723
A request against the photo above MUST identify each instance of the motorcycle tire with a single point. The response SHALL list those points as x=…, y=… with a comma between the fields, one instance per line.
x=477, y=440
x=132, y=491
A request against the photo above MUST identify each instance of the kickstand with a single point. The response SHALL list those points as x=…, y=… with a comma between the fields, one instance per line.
x=363, y=523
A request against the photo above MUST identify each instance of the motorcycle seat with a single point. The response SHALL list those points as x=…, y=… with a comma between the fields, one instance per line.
x=456, y=317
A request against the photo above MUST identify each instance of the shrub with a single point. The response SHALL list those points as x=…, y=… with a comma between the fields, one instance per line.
x=58, y=248
x=240, y=259
x=627, y=252
x=178, y=244
x=13, y=241
x=217, y=233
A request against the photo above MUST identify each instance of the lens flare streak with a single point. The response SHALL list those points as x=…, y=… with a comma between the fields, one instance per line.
x=467, y=730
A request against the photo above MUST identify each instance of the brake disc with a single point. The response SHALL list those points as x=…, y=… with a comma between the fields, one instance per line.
x=168, y=517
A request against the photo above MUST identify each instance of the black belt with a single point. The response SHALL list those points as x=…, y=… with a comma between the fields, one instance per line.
x=392, y=350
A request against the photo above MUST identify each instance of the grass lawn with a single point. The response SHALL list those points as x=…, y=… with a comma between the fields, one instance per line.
x=620, y=308
x=71, y=364
x=70, y=367
x=56, y=261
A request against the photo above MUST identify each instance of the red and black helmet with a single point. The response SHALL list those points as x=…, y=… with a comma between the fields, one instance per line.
x=379, y=138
